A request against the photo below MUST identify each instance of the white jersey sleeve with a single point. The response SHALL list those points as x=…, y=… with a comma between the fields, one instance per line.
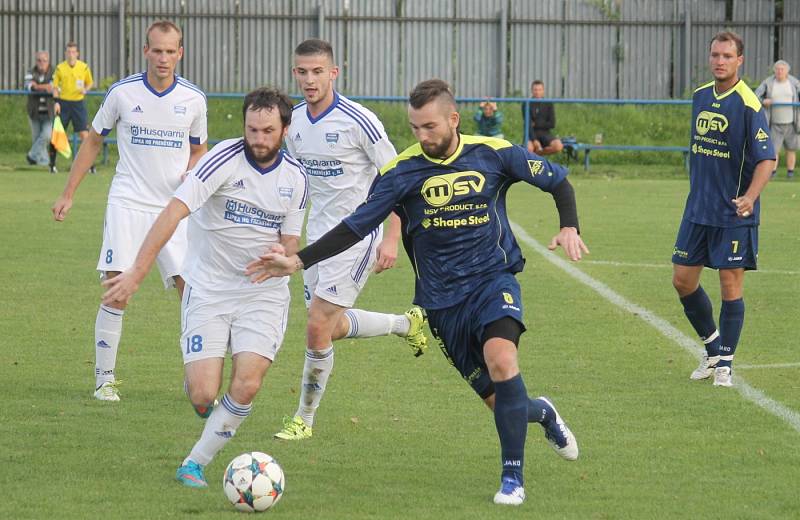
x=380, y=151
x=204, y=180
x=295, y=216
x=107, y=115
x=198, y=132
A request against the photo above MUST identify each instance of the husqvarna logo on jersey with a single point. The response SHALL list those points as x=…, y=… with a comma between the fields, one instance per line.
x=438, y=191
x=710, y=121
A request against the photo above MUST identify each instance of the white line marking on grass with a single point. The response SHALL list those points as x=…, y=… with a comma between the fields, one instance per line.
x=690, y=345
x=668, y=265
x=774, y=365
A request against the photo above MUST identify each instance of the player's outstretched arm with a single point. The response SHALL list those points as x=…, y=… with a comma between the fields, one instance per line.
x=87, y=153
x=290, y=245
x=387, y=250
x=122, y=287
x=568, y=237
x=272, y=265
x=571, y=241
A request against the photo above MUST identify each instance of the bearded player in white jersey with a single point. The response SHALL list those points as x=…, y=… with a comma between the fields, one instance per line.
x=342, y=145
x=246, y=197
x=161, y=133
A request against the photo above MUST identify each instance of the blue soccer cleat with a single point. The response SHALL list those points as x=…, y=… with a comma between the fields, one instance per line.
x=190, y=474
x=557, y=433
x=511, y=492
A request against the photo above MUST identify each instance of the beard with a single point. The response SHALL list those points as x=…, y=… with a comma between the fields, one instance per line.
x=262, y=154
x=439, y=151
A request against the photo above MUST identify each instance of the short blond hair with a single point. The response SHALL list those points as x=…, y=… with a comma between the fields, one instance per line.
x=164, y=26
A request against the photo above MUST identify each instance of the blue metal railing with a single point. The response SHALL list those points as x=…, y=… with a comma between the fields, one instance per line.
x=527, y=101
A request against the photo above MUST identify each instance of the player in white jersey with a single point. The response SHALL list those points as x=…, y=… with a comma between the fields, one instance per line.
x=342, y=146
x=246, y=198
x=161, y=133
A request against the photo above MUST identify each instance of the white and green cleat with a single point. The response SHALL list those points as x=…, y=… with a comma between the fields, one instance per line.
x=108, y=391
x=416, y=338
x=294, y=429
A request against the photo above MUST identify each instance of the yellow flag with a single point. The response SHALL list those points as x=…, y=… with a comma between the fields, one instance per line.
x=59, y=139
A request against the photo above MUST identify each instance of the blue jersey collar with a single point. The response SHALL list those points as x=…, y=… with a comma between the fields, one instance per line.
x=326, y=111
x=256, y=167
x=154, y=91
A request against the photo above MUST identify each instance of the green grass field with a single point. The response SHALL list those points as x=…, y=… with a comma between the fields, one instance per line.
x=404, y=437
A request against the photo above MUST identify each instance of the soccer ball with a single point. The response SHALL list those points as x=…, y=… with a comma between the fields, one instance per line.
x=253, y=482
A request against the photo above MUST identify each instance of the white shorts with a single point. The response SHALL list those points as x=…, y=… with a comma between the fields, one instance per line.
x=341, y=278
x=213, y=323
x=123, y=233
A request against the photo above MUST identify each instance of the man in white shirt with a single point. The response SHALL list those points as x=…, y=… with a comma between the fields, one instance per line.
x=784, y=120
x=161, y=133
x=342, y=146
x=246, y=197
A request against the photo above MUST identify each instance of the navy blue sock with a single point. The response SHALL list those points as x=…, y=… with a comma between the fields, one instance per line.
x=537, y=412
x=511, y=419
x=731, y=319
x=697, y=308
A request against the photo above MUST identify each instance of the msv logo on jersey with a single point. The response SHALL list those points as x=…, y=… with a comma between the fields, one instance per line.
x=710, y=121
x=439, y=190
x=332, y=138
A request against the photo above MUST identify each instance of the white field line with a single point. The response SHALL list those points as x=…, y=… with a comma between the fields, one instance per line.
x=668, y=265
x=774, y=365
x=754, y=395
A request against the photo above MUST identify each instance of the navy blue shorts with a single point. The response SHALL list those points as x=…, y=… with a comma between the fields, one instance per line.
x=716, y=247
x=75, y=112
x=460, y=328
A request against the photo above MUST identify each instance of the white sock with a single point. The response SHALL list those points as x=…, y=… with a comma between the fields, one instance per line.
x=107, y=331
x=220, y=427
x=365, y=324
x=316, y=371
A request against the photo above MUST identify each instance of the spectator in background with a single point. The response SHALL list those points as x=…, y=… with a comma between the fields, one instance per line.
x=39, y=81
x=72, y=80
x=784, y=121
x=543, y=120
x=489, y=119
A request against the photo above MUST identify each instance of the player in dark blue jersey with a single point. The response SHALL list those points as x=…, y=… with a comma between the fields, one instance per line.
x=731, y=161
x=449, y=191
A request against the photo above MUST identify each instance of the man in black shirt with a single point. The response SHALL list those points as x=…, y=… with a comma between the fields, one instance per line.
x=39, y=81
x=543, y=120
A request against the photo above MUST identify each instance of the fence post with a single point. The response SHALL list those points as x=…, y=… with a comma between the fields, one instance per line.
x=121, y=30
x=503, y=48
x=687, y=46
x=321, y=20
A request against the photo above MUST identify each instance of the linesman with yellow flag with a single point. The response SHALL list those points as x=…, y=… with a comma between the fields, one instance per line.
x=72, y=80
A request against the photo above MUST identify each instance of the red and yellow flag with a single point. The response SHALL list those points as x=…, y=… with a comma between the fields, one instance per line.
x=59, y=139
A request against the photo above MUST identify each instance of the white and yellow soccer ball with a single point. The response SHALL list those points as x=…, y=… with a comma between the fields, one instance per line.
x=253, y=482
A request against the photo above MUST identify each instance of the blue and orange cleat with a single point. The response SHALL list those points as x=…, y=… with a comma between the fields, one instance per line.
x=190, y=474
